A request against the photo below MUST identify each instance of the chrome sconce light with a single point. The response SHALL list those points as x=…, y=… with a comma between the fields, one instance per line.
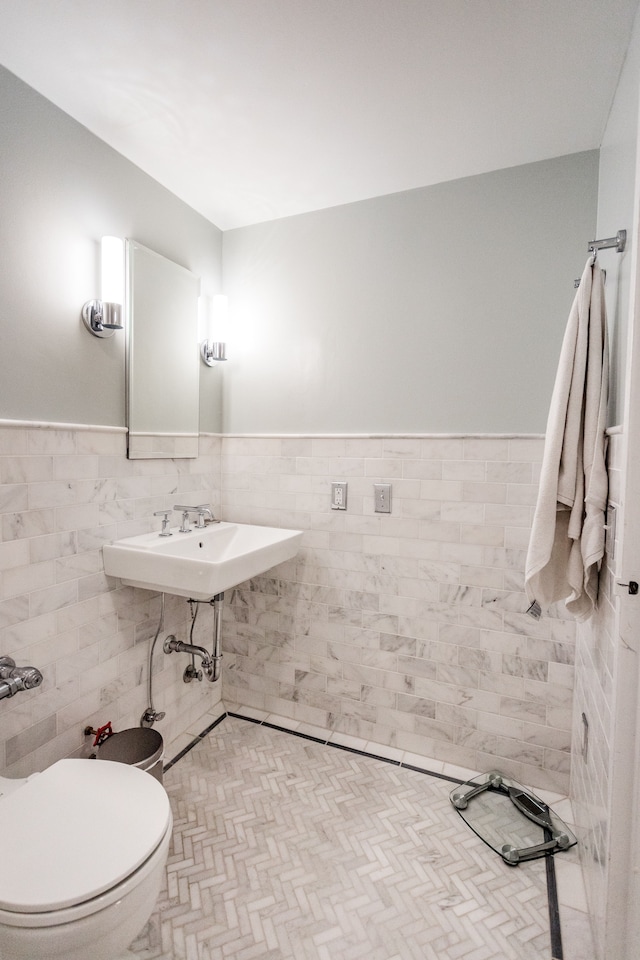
x=103, y=317
x=212, y=323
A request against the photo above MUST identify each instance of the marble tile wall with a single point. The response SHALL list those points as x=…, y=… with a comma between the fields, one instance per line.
x=408, y=629
x=592, y=759
x=63, y=493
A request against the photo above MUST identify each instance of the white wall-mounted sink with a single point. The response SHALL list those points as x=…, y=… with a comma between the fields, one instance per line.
x=201, y=563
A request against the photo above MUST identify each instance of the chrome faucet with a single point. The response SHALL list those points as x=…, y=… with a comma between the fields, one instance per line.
x=203, y=510
x=13, y=679
x=205, y=515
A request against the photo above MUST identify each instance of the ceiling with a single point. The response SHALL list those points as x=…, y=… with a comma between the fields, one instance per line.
x=250, y=110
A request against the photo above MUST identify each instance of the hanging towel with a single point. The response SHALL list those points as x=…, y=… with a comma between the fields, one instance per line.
x=567, y=536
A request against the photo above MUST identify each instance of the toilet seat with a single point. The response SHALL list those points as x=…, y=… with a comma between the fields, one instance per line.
x=77, y=833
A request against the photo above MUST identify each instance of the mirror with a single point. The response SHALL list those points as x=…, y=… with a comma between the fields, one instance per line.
x=163, y=362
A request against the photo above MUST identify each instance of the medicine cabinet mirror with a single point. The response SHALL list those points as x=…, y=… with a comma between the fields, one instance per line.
x=162, y=356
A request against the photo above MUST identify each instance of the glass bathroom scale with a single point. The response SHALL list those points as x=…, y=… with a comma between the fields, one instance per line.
x=510, y=818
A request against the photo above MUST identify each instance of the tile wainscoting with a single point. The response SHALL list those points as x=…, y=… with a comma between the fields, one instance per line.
x=408, y=630
x=64, y=491
x=592, y=756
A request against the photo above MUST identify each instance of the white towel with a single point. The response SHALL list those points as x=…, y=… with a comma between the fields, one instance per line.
x=567, y=537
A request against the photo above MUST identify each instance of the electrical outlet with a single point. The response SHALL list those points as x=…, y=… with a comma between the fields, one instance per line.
x=382, y=497
x=339, y=495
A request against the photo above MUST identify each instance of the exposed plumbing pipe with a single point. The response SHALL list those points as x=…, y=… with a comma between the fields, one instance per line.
x=14, y=679
x=150, y=715
x=210, y=662
x=217, y=602
x=172, y=645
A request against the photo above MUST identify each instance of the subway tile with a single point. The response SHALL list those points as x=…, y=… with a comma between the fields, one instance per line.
x=21, y=634
x=76, y=517
x=30, y=523
x=52, y=546
x=22, y=580
x=523, y=493
x=509, y=472
x=482, y=577
x=419, y=549
x=382, y=470
x=101, y=443
x=25, y=469
x=43, y=441
x=462, y=512
x=436, y=729
x=13, y=441
x=522, y=709
x=516, y=538
x=13, y=554
x=502, y=684
x=423, y=470
x=97, y=490
x=486, y=534
x=415, y=510
x=416, y=705
x=26, y=742
x=374, y=608
x=439, y=531
x=53, y=494
x=475, y=470
x=507, y=515
x=403, y=448
x=442, y=448
x=14, y=610
x=484, y=492
x=75, y=467
x=486, y=448
x=469, y=554
x=442, y=490
x=52, y=598
x=526, y=448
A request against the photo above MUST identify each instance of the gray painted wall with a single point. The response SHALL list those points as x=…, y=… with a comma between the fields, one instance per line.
x=617, y=184
x=61, y=190
x=435, y=310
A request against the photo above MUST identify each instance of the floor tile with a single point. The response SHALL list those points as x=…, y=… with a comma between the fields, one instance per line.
x=287, y=848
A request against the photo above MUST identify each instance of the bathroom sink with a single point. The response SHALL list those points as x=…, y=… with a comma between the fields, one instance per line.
x=201, y=563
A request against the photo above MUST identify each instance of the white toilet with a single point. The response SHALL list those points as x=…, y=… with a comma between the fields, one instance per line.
x=83, y=847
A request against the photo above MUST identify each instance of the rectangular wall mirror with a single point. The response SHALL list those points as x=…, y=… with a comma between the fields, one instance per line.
x=163, y=363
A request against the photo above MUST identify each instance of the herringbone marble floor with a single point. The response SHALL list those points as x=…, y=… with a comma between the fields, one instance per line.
x=287, y=848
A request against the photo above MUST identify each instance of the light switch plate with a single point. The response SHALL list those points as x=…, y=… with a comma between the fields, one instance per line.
x=382, y=497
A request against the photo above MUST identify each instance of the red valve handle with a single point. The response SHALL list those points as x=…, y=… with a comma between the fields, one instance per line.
x=102, y=734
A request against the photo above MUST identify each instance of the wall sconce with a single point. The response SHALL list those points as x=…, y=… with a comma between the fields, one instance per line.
x=103, y=317
x=212, y=323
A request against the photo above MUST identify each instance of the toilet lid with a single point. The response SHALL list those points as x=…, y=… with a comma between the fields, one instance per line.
x=76, y=830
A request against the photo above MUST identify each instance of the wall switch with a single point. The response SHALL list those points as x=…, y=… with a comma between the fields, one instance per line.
x=382, y=497
x=339, y=495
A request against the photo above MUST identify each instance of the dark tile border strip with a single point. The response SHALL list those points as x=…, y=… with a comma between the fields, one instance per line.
x=347, y=749
x=554, y=909
x=193, y=743
x=552, y=887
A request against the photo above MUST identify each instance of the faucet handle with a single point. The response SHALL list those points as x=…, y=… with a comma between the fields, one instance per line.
x=186, y=510
x=204, y=509
x=165, y=514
